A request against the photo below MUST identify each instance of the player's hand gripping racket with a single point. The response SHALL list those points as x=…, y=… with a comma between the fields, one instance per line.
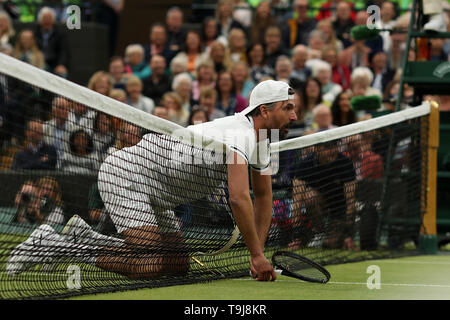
x=294, y=265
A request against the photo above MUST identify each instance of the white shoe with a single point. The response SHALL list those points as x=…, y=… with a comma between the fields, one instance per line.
x=436, y=23
x=78, y=231
x=38, y=248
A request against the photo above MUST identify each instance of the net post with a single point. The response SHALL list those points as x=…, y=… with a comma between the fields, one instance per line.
x=428, y=230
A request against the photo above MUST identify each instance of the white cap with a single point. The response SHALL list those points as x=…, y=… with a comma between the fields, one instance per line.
x=268, y=91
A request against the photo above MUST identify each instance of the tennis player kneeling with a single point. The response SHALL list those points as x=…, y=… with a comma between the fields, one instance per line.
x=140, y=186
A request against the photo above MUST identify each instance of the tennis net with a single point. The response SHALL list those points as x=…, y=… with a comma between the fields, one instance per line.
x=342, y=195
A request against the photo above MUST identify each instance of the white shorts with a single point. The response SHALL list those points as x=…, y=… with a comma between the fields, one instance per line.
x=127, y=206
x=140, y=186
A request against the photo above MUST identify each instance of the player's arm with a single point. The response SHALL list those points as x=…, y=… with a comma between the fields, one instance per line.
x=262, y=190
x=242, y=207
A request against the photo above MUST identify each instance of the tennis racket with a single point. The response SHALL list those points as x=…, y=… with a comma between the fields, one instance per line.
x=296, y=266
x=231, y=241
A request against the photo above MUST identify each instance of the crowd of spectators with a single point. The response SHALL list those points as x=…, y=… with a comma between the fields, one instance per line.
x=196, y=75
x=230, y=52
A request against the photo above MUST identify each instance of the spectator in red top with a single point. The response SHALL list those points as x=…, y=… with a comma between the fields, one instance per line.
x=328, y=10
x=368, y=164
x=340, y=73
x=356, y=55
x=368, y=168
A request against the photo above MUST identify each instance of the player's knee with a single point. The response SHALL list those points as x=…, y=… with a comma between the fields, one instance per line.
x=144, y=267
x=142, y=237
x=174, y=242
x=152, y=267
x=175, y=264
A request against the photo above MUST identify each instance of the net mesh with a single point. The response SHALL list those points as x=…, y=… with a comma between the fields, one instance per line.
x=92, y=199
x=362, y=192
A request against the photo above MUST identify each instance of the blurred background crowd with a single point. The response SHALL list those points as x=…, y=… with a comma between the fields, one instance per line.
x=197, y=67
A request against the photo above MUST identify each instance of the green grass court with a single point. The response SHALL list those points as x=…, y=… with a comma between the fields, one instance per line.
x=419, y=277
x=425, y=277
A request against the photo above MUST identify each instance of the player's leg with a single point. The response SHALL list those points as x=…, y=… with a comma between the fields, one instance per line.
x=138, y=258
x=152, y=249
x=152, y=242
x=142, y=252
x=176, y=260
x=134, y=255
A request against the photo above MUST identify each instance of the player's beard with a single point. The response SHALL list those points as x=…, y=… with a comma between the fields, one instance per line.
x=278, y=134
x=284, y=130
